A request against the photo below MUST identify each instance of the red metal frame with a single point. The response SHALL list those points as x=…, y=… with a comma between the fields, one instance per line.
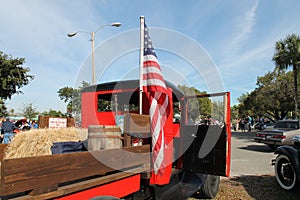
x=228, y=130
x=89, y=109
x=119, y=189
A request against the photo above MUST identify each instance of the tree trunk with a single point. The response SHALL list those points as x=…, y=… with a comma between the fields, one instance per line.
x=295, y=70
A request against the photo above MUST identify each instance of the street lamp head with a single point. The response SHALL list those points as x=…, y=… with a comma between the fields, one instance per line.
x=72, y=34
x=116, y=24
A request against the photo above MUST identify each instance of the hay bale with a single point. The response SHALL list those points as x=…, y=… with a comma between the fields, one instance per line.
x=38, y=142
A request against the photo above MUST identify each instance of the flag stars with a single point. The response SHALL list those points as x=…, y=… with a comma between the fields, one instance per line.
x=148, y=48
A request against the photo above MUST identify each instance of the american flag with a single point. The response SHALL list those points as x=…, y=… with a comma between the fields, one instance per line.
x=154, y=85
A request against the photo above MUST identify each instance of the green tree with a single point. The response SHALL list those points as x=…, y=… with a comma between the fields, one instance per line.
x=12, y=112
x=54, y=113
x=3, y=109
x=246, y=104
x=287, y=54
x=234, y=112
x=13, y=75
x=272, y=97
x=218, y=110
x=66, y=94
x=72, y=97
x=275, y=93
x=76, y=102
x=29, y=111
x=198, y=107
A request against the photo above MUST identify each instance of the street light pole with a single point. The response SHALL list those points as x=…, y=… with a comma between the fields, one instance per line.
x=93, y=57
x=92, y=34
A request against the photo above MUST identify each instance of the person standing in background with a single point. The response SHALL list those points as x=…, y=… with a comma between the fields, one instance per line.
x=249, y=123
x=8, y=128
x=242, y=121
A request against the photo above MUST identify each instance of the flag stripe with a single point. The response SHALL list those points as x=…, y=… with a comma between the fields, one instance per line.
x=151, y=63
x=157, y=137
x=153, y=83
x=150, y=57
x=153, y=76
x=152, y=70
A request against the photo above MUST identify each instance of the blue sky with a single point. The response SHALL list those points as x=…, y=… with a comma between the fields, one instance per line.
x=237, y=36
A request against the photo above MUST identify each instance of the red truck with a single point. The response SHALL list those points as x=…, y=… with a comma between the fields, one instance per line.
x=200, y=151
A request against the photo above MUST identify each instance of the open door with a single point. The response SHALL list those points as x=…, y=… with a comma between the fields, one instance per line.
x=205, y=134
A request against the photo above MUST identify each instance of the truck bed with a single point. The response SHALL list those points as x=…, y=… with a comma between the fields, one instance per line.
x=46, y=177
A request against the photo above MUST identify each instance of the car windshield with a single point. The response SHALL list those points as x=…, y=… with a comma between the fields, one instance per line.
x=287, y=124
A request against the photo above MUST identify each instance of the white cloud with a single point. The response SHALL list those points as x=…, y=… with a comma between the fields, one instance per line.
x=244, y=27
x=241, y=29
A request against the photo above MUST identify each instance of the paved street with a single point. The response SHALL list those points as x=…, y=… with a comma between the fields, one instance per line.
x=249, y=157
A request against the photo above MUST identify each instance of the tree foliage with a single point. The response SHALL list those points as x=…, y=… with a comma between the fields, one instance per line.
x=13, y=75
x=273, y=96
x=287, y=54
x=3, y=109
x=198, y=107
x=66, y=94
x=54, y=113
x=72, y=97
x=29, y=111
x=234, y=112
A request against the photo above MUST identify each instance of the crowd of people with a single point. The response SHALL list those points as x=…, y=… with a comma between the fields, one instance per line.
x=244, y=124
x=9, y=128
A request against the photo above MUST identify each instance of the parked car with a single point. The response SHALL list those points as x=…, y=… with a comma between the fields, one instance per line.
x=267, y=124
x=281, y=134
x=286, y=165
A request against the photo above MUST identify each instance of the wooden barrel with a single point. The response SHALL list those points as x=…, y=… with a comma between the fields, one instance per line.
x=104, y=137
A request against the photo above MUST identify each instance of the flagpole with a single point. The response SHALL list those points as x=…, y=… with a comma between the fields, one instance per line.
x=142, y=21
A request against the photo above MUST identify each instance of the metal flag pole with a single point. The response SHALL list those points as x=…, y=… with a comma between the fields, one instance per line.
x=142, y=29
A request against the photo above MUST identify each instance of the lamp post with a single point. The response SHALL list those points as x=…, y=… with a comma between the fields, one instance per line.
x=92, y=34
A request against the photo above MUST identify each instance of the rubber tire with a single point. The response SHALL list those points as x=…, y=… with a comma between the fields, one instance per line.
x=209, y=189
x=289, y=171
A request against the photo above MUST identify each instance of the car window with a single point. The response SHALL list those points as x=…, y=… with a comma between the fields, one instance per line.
x=293, y=125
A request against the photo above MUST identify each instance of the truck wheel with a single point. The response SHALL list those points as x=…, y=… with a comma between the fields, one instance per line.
x=285, y=173
x=209, y=189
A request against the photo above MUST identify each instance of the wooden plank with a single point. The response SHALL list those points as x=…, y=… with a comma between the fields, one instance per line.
x=2, y=148
x=100, y=138
x=43, y=190
x=135, y=123
x=83, y=185
x=70, y=122
x=43, y=121
x=23, y=174
x=127, y=140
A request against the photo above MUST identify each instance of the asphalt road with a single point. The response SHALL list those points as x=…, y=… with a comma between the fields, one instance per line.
x=249, y=157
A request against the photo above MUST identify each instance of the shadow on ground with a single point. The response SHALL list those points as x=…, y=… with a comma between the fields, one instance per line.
x=254, y=187
x=258, y=148
x=244, y=135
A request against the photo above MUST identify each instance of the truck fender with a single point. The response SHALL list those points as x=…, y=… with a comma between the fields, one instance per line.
x=292, y=154
x=104, y=198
